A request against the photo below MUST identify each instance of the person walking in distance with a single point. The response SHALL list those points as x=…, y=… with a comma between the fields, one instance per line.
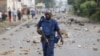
x=19, y=15
x=28, y=13
x=32, y=13
x=47, y=27
x=9, y=15
x=14, y=14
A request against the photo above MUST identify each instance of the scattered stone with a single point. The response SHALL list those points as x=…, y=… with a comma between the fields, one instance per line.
x=65, y=35
x=11, y=34
x=35, y=17
x=25, y=51
x=98, y=31
x=86, y=29
x=3, y=53
x=12, y=47
x=94, y=44
x=59, y=45
x=16, y=30
x=95, y=49
x=98, y=40
x=63, y=32
x=6, y=52
x=79, y=46
x=38, y=48
x=20, y=28
x=32, y=32
x=81, y=24
x=77, y=28
x=71, y=19
x=36, y=41
x=28, y=26
x=8, y=28
x=73, y=41
x=39, y=52
x=3, y=44
x=58, y=18
x=28, y=41
x=21, y=47
x=5, y=38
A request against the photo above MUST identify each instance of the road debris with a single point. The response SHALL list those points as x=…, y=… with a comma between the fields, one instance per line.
x=36, y=41
x=6, y=52
x=95, y=48
x=39, y=52
x=86, y=29
x=79, y=46
x=77, y=28
x=98, y=40
x=5, y=39
x=28, y=41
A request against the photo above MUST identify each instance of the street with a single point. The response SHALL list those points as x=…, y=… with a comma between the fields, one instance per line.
x=79, y=40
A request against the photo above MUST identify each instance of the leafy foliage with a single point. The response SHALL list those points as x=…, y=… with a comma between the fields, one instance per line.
x=88, y=8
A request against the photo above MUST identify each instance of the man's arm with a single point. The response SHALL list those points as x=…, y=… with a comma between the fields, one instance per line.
x=58, y=31
x=59, y=34
x=38, y=27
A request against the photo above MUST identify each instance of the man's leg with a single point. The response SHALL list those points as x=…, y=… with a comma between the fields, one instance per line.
x=44, y=46
x=50, y=49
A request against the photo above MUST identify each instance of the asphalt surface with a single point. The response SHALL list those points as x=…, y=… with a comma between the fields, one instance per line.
x=81, y=40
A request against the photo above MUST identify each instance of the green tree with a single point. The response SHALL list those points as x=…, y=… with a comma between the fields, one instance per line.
x=89, y=8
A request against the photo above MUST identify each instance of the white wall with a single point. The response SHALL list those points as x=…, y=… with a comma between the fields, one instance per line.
x=11, y=4
x=29, y=3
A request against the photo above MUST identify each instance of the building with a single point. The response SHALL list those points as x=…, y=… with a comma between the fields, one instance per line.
x=29, y=3
x=61, y=3
x=18, y=4
x=3, y=5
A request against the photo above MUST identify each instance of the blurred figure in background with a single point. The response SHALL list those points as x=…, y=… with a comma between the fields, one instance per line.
x=23, y=12
x=4, y=16
x=14, y=14
x=28, y=13
x=9, y=15
x=32, y=13
x=19, y=15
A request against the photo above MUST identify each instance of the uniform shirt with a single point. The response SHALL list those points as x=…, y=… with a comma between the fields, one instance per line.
x=49, y=27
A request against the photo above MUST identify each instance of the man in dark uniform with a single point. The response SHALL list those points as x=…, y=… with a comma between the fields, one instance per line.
x=49, y=28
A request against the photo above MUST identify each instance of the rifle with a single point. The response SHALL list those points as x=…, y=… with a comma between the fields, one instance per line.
x=45, y=38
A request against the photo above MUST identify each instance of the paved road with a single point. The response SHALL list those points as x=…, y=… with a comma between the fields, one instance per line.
x=82, y=40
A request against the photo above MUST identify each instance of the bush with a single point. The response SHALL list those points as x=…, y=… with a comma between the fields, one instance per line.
x=87, y=8
x=96, y=16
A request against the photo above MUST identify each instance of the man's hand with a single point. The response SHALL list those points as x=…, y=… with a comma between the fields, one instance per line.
x=39, y=31
x=59, y=33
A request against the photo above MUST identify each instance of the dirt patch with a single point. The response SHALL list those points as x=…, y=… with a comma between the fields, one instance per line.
x=5, y=26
